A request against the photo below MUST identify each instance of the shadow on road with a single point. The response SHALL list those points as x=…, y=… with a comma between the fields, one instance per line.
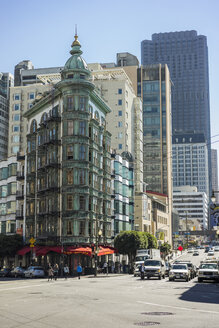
x=203, y=293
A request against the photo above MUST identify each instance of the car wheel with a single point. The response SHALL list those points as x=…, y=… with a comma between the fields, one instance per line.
x=170, y=279
x=134, y=275
x=187, y=279
x=148, y=277
x=199, y=279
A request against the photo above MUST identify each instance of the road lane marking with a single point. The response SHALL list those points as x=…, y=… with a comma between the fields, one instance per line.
x=178, y=307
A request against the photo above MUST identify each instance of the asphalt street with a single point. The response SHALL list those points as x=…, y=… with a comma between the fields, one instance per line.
x=109, y=301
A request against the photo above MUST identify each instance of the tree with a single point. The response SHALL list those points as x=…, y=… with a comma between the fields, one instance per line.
x=10, y=244
x=165, y=249
x=127, y=242
x=152, y=240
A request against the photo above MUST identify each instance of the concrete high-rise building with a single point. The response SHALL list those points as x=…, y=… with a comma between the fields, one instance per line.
x=191, y=206
x=190, y=161
x=6, y=81
x=214, y=168
x=186, y=55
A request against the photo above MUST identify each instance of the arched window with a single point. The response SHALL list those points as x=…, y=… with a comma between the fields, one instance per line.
x=33, y=126
x=44, y=118
x=97, y=116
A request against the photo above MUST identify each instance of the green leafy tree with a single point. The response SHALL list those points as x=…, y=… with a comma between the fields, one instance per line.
x=10, y=244
x=127, y=242
x=152, y=240
x=165, y=249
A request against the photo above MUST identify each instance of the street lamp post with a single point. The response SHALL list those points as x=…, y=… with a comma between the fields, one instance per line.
x=98, y=235
x=187, y=236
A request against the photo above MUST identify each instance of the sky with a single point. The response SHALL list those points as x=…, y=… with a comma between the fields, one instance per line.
x=43, y=30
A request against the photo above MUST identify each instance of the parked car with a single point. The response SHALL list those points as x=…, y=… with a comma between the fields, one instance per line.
x=5, y=272
x=17, y=272
x=216, y=248
x=154, y=268
x=196, y=253
x=190, y=250
x=179, y=271
x=34, y=272
x=202, y=247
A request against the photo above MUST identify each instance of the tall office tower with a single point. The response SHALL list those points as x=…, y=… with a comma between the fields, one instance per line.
x=190, y=161
x=6, y=81
x=23, y=65
x=186, y=55
x=214, y=167
x=156, y=94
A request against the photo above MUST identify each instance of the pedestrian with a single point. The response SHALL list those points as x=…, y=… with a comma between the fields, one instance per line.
x=50, y=272
x=66, y=271
x=79, y=270
x=105, y=267
x=142, y=269
x=56, y=271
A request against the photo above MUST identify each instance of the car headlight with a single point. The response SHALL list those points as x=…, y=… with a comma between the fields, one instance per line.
x=158, y=270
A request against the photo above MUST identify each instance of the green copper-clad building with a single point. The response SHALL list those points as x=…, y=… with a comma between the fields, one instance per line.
x=68, y=162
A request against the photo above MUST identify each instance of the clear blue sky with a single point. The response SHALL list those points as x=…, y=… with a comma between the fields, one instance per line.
x=42, y=31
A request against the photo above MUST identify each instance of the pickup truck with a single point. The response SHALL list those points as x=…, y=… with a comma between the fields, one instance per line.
x=208, y=271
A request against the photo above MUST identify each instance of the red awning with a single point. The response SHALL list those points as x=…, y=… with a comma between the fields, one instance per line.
x=104, y=250
x=24, y=250
x=78, y=250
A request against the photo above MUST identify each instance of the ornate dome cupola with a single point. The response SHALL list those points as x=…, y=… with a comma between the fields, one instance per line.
x=75, y=69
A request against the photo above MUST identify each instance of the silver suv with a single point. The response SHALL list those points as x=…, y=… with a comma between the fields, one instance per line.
x=179, y=271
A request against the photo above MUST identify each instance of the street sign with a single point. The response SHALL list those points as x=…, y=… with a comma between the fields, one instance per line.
x=32, y=245
x=180, y=248
x=32, y=240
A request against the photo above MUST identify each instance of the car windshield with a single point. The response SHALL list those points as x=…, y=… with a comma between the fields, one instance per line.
x=152, y=263
x=179, y=266
x=208, y=266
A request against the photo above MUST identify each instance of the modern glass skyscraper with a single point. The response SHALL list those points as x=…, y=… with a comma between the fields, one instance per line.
x=186, y=55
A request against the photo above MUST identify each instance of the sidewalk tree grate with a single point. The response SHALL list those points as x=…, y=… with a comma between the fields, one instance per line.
x=157, y=313
x=146, y=323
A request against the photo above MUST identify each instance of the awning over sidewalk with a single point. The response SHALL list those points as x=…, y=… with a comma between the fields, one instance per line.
x=68, y=250
x=24, y=250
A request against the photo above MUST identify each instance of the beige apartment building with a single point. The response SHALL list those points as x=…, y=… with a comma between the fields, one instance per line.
x=126, y=126
x=21, y=99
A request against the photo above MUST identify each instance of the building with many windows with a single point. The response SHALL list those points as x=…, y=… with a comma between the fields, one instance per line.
x=186, y=54
x=191, y=205
x=8, y=189
x=21, y=99
x=155, y=90
x=190, y=161
x=68, y=179
x=124, y=192
x=6, y=81
x=214, y=166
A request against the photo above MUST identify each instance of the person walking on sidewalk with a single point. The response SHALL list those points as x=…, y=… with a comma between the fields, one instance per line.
x=50, y=273
x=79, y=270
x=56, y=271
x=66, y=271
